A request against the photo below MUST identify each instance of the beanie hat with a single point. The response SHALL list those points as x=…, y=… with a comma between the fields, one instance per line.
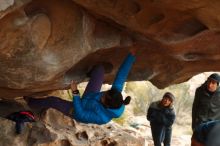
x=215, y=77
x=115, y=99
x=169, y=95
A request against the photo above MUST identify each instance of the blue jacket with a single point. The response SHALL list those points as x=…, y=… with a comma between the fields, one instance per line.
x=202, y=131
x=89, y=108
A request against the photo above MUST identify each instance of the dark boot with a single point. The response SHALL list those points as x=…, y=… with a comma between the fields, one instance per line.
x=19, y=126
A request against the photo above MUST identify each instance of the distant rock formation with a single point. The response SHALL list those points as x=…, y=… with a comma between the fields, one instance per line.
x=44, y=44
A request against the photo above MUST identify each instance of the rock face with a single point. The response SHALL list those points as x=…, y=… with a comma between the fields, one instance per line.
x=52, y=128
x=44, y=43
x=55, y=129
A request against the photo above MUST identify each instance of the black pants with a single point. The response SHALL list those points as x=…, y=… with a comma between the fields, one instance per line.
x=161, y=134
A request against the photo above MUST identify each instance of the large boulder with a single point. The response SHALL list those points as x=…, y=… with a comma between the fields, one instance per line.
x=44, y=44
x=55, y=129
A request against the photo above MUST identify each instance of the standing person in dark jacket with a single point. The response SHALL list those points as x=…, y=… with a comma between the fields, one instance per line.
x=206, y=105
x=161, y=115
x=94, y=106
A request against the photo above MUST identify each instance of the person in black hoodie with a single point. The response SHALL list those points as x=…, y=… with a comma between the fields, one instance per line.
x=161, y=115
x=206, y=104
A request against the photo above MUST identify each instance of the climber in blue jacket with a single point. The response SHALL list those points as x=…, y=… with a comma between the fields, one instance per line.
x=100, y=107
x=95, y=106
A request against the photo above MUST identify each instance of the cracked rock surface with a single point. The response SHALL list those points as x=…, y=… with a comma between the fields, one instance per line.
x=44, y=44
